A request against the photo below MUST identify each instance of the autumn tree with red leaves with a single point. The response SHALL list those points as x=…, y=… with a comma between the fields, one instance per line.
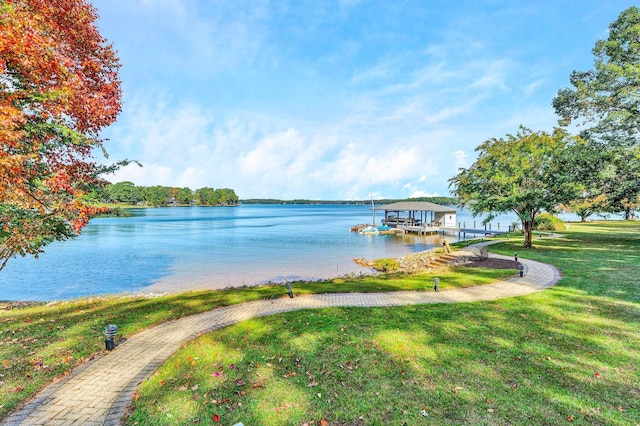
x=59, y=87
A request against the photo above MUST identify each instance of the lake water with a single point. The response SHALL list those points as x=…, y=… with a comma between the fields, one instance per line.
x=173, y=249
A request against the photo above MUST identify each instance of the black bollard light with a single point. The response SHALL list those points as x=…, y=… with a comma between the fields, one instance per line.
x=289, y=288
x=110, y=334
x=437, y=282
x=521, y=268
x=515, y=256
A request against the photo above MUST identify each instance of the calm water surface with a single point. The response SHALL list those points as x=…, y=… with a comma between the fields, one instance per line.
x=172, y=249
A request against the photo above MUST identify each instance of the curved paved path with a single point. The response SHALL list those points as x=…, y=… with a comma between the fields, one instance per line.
x=99, y=392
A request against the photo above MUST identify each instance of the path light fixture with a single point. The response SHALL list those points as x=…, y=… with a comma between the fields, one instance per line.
x=110, y=334
x=515, y=256
x=521, y=268
x=289, y=288
x=437, y=282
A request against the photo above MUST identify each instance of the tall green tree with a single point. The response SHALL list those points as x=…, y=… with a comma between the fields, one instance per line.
x=605, y=102
x=620, y=179
x=206, y=196
x=184, y=196
x=607, y=97
x=125, y=192
x=157, y=195
x=523, y=173
x=226, y=196
x=586, y=165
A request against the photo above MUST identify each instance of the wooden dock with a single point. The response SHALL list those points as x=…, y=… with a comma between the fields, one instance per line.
x=423, y=230
x=426, y=230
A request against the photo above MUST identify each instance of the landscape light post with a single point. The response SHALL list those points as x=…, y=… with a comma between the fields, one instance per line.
x=515, y=256
x=521, y=268
x=437, y=282
x=289, y=288
x=110, y=334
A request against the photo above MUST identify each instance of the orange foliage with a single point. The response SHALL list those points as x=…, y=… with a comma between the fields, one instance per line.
x=59, y=87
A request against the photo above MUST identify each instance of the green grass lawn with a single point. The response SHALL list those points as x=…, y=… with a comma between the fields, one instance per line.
x=567, y=355
x=42, y=344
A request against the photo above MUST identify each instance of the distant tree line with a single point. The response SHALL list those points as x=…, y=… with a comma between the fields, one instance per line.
x=450, y=201
x=157, y=196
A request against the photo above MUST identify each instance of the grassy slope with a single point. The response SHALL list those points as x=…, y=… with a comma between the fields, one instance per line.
x=42, y=344
x=570, y=354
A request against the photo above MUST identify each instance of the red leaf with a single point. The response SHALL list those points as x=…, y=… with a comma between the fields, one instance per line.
x=216, y=418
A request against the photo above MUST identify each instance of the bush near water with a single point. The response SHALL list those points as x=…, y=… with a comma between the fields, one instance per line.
x=386, y=265
x=548, y=222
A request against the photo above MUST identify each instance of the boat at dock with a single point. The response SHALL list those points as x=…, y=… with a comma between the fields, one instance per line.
x=357, y=228
x=376, y=230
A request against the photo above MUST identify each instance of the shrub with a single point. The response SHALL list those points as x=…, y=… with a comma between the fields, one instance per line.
x=386, y=265
x=480, y=253
x=548, y=222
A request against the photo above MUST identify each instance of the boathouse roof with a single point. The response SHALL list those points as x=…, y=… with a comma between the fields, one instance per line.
x=417, y=206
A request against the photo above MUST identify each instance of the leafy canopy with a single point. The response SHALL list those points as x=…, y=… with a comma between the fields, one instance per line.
x=59, y=87
x=523, y=173
x=606, y=99
x=608, y=96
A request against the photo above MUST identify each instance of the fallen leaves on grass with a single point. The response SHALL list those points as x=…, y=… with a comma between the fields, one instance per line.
x=286, y=406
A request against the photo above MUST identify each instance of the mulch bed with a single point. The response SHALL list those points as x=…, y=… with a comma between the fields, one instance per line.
x=493, y=264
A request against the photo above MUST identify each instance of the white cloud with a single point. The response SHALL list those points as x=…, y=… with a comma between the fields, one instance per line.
x=415, y=191
x=529, y=89
x=185, y=145
x=460, y=159
x=378, y=72
x=305, y=100
x=492, y=75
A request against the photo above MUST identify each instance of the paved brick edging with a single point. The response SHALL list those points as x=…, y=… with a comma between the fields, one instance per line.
x=99, y=392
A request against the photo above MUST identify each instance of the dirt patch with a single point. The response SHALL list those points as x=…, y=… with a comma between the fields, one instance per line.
x=9, y=305
x=493, y=264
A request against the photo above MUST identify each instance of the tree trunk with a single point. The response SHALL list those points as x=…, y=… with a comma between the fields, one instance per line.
x=527, y=230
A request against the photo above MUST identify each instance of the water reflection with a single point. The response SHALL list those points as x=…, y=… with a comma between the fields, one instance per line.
x=169, y=249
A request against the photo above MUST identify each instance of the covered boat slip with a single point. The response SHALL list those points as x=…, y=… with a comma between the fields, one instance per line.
x=419, y=216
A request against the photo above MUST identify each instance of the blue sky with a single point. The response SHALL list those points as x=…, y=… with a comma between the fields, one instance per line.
x=335, y=99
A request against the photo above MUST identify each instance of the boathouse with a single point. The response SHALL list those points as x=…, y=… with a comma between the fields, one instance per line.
x=419, y=216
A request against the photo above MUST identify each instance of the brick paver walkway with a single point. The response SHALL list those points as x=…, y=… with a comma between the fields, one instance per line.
x=99, y=392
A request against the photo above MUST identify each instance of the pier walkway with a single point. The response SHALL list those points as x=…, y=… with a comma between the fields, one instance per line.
x=99, y=392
